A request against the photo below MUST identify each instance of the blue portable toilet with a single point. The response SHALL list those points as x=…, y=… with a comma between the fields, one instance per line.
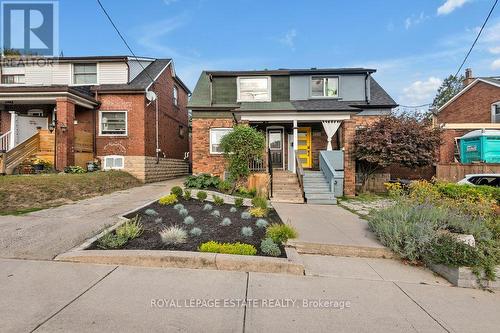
x=480, y=146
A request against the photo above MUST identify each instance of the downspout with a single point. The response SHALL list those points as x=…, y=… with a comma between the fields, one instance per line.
x=367, y=75
x=211, y=88
x=157, y=132
x=94, y=131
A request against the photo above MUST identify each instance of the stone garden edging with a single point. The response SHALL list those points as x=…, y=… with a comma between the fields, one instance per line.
x=464, y=277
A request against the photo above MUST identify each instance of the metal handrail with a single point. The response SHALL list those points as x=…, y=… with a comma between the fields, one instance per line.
x=299, y=170
x=270, y=171
x=5, y=142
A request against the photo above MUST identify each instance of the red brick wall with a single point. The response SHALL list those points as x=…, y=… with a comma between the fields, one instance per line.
x=4, y=121
x=447, y=148
x=474, y=106
x=65, y=137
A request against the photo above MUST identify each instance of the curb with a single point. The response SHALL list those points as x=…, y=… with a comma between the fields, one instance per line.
x=341, y=250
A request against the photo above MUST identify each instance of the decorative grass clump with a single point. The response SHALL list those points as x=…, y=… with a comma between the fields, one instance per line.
x=207, y=207
x=168, y=200
x=218, y=201
x=259, y=202
x=267, y=246
x=261, y=223
x=225, y=222
x=151, y=212
x=178, y=206
x=173, y=235
x=247, y=231
x=188, y=220
x=280, y=233
x=177, y=190
x=228, y=248
x=195, y=232
x=258, y=211
x=215, y=213
x=233, y=209
x=183, y=212
x=130, y=229
x=201, y=195
x=238, y=202
x=246, y=215
x=187, y=194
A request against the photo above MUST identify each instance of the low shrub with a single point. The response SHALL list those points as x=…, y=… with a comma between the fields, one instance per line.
x=219, y=201
x=74, y=169
x=215, y=213
x=130, y=229
x=188, y=220
x=246, y=193
x=201, y=195
x=259, y=202
x=207, y=207
x=177, y=190
x=247, y=231
x=246, y=215
x=173, y=235
x=238, y=202
x=446, y=250
x=224, y=186
x=233, y=210
x=202, y=181
x=225, y=222
x=195, y=232
x=228, y=248
x=111, y=241
x=258, y=211
x=187, y=194
x=178, y=206
x=280, y=233
x=269, y=247
x=168, y=199
x=261, y=223
x=151, y=212
x=183, y=212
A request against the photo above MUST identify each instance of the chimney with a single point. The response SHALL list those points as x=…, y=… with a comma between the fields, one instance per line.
x=468, y=77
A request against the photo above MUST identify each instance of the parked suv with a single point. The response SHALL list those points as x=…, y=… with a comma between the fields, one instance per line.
x=482, y=179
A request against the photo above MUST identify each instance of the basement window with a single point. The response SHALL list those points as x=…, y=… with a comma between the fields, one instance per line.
x=113, y=162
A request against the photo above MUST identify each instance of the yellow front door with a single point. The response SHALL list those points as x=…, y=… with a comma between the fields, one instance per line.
x=304, y=146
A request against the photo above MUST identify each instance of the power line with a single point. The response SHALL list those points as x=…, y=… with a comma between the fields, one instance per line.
x=477, y=37
x=414, y=106
x=123, y=39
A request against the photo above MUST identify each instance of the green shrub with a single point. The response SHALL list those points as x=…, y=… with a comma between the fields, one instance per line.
x=215, y=213
x=246, y=193
x=238, y=202
x=168, y=199
x=228, y=248
x=173, y=235
x=225, y=222
x=280, y=233
x=261, y=223
x=111, y=241
x=177, y=190
x=178, y=206
x=201, y=195
x=269, y=247
x=246, y=215
x=225, y=186
x=183, y=212
x=130, y=229
x=207, y=207
x=247, y=231
x=188, y=220
x=448, y=251
x=74, y=169
x=259, y=202
x=202, y=181
x=187, y=194
x=195, y=232
x=151, y=212
x=219, y=201
x=258, y=211
x=233, y=210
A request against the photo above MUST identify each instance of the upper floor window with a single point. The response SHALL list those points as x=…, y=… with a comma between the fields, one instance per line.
x=495, y=116
x=176, y=96
x=85, y=74
x=113, y=123
x=324, y=86
x=13, y=79
x=254, y=89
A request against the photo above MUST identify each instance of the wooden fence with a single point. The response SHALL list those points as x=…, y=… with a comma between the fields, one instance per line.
x=454, y=172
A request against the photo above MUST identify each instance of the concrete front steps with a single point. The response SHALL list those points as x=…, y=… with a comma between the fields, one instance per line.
x=317, y=189
x=286, y=187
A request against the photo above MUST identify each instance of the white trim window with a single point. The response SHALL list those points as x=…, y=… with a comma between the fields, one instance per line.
x=324, y=86
x=216, y=135
x=176, y=96
x=85, y=73
x=495, y=113
x=254, y=89
x=113, y=162
x=113, y=123
x=13, y=79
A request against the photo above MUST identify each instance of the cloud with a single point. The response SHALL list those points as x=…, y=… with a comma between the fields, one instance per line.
x=415, y=20
x=169, y=2
x=420, y=92
x=495, y=50
x=153, y=35
x=450, y=5
x=495, y=65
x=289, y=39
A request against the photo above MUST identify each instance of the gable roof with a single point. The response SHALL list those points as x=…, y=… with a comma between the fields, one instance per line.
x=495, y=81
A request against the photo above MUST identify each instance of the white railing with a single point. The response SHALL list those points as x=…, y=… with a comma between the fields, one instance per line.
x=5, y=142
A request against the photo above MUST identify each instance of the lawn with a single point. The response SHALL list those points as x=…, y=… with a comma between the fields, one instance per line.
x=25, y=193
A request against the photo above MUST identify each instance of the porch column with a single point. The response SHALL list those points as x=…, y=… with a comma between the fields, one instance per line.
x=295, y=143
x=64, y=133
x=12, y=138
x=348, y=133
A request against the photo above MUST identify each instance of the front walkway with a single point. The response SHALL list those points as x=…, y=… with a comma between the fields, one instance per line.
x=45, y=234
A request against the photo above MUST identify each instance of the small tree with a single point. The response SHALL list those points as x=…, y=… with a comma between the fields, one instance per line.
x=241, y=146
x=449, y=88
x=404, y=140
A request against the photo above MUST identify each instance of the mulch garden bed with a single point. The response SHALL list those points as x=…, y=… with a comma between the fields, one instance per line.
x=210, y=226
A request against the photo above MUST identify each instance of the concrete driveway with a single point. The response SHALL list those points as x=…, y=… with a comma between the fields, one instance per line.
x=45, y=234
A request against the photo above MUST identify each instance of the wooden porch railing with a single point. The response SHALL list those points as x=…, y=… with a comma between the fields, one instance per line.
x=5, y=142
x=19, y=153
x=257, y=165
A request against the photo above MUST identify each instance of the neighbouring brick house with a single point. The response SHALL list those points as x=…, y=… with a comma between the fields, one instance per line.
x=477, y=106
x=309, y=117
x=72, y=110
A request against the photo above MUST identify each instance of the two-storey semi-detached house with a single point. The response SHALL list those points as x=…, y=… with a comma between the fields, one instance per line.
x=73, y=110
x=304, y=113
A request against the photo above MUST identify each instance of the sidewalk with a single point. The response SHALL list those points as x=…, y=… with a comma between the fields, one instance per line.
x=47, y=233
x=46, y=296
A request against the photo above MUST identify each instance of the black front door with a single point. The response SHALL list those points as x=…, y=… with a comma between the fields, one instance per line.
x=275, y=139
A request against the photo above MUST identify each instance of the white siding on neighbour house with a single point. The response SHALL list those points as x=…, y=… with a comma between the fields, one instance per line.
x=13, y=70
x=38, y=75
x=61, y=73
x=112, y=72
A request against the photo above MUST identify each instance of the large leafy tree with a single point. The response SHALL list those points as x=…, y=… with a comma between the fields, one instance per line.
x=241, y=146
x=404, y=140
x=449, y=88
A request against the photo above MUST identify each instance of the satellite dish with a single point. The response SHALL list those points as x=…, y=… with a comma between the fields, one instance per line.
x=151, y=96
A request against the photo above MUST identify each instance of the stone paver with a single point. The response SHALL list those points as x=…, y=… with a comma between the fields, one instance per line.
x=47, y=233
x=362, y=207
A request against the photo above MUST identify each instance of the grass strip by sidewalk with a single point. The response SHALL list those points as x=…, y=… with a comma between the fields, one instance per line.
x=26, y=193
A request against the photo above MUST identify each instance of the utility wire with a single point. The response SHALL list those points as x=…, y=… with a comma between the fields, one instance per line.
x=477, y=37
x=123, y=39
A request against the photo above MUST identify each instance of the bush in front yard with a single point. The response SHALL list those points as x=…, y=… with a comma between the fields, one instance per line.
x=202, y=181
x=168, y=199
x=177, y=190
x=280, y=233
x=228, y=248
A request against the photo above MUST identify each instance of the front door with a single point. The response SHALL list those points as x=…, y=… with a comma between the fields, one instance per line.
x=304, y=146
x=275, y=144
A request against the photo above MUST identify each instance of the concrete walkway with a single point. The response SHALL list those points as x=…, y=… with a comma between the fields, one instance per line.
x=47, y=233
x=47, y=296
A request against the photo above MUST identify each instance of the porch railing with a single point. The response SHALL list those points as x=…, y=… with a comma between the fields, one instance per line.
x=5, y=142
x=270, y=171
x=300, y=171
x=257, y=165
